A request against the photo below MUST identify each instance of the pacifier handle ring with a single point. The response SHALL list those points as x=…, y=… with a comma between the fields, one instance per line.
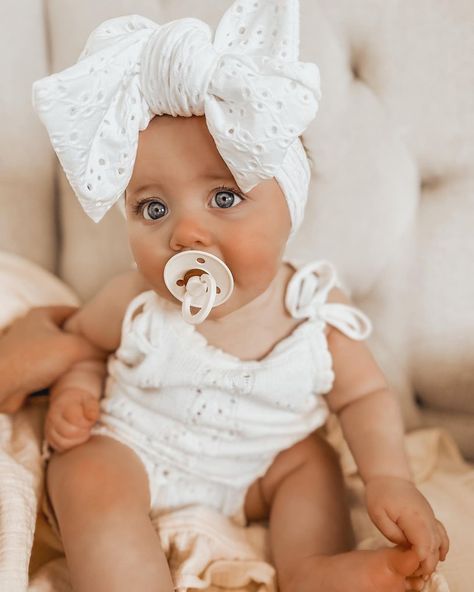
x=201, y=315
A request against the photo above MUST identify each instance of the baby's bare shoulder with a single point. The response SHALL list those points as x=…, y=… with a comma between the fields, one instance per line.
x=337, y=295
x=100, y=319
x=124, y=286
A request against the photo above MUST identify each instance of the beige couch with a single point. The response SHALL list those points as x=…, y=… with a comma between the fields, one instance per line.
x=392, y=195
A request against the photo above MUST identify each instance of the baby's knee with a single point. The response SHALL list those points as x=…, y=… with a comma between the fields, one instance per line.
x=85, y=477
x=320, y=462
x=312, y=456
x=314, y=451
x=76, y=477
x=319, y=448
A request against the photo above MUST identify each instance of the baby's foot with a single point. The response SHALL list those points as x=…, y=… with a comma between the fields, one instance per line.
x=382, y=570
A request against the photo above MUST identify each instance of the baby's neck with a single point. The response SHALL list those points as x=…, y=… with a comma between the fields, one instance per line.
x=255, y=311
x=251, y=331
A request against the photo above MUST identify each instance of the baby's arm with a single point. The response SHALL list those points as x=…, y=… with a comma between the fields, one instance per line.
x=74, y=403
x=372, y=424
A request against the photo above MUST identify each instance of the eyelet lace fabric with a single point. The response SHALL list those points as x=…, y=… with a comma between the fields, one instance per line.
x=247, y=80
x=205, y=423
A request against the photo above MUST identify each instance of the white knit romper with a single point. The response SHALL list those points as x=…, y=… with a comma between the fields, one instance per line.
x=206, y=424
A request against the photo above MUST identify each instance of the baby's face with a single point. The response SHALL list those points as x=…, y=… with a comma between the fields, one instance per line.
x=182, y=196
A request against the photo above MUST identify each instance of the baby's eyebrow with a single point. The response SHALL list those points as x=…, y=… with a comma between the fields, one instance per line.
x=131, y=193
x=214, y=177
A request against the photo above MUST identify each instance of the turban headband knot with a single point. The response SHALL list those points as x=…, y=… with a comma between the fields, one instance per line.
x=246, y=79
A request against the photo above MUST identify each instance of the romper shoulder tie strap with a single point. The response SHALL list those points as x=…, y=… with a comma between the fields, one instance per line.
x=306, y=297
x=134, y=306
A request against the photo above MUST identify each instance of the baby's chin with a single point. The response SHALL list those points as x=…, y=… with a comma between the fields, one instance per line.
x=166, y=295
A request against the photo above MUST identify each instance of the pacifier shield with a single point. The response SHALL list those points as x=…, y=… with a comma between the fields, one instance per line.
x=186, y=264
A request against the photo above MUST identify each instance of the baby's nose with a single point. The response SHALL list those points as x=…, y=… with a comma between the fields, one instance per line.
x=190, y=232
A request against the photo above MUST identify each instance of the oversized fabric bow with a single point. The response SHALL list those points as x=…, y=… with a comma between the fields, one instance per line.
x=256, y=96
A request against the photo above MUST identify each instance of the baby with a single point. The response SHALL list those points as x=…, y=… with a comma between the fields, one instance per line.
x=200, y=140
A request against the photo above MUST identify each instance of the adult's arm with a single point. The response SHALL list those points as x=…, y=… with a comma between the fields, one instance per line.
x=34, y=352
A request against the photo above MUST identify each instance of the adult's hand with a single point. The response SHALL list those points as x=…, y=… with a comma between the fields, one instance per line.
x=34, y=352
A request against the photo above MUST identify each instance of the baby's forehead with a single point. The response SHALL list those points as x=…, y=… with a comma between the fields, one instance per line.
x=176, y=146
x=169, y=130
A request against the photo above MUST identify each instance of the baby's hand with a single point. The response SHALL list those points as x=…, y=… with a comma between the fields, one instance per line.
x=405, y=517
x=71, y=415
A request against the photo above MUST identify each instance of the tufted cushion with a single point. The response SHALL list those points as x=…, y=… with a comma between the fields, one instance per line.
x=391, y=197
x=27, y=200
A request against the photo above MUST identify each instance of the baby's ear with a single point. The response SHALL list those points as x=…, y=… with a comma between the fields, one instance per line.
x=260, y=27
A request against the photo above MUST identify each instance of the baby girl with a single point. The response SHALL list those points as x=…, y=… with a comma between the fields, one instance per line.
x=215, y=403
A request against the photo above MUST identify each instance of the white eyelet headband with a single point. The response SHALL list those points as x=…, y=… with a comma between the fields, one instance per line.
x=256, y=96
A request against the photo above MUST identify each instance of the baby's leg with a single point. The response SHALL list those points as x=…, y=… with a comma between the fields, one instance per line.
x=311, y=535
x=100, y=495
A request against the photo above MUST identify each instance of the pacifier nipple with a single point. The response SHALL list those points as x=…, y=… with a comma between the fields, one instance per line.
x=200, y=280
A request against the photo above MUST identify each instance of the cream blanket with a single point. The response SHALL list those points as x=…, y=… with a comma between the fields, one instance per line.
x=205, y=550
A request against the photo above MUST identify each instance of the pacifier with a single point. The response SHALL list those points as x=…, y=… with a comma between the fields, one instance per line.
x=200, y=280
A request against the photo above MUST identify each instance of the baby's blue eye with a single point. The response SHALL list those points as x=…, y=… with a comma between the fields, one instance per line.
x=225, y=199
x=154, y=210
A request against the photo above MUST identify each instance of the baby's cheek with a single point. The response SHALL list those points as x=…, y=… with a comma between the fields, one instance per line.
x=254, y=266
x=154, y=276
x=149, y=261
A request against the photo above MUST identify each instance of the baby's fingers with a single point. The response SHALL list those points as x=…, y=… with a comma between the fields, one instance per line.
x=429, y=564
x=68, y=430
x=420, y=533
x=62, y=443
x=60, y=433
x=444, y=545
x=388, y=527
x=423, y=535
x=56, y=441
x=80, y=413
x=414, y=584
x=91, y=409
